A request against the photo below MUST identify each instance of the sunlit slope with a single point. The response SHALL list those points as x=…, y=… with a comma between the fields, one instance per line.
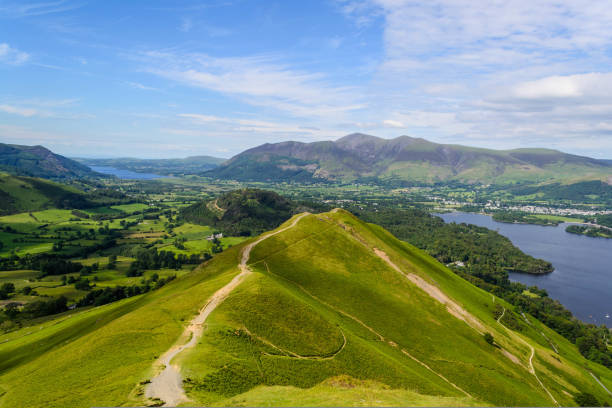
x=334, y=297
x=334, y=313
x=98, y=357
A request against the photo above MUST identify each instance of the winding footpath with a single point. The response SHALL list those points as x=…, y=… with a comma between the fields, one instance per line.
x=531, y=367
x=167, y=386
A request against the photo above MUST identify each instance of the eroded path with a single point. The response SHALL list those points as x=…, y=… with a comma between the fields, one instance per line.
x=531, y=367
x=167, y=386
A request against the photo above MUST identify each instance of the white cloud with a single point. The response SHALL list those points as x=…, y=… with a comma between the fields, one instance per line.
x=393, y=123
x=12, y=56
x=592, y=85
x=138, y=85
x=260, y=81
x=27, y=112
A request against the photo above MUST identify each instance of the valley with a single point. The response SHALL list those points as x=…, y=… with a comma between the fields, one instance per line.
x=222, y=292
x=332, y=203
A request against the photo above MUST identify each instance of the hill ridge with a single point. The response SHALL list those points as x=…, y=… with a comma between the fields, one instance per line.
x=38, y=161
x=365, y=157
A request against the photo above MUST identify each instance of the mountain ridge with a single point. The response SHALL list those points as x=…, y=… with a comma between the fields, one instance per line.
x=359, y=156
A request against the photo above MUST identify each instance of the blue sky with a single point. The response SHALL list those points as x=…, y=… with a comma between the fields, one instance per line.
x=180, y=78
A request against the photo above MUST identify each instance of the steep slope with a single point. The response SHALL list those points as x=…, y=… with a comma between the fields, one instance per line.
x=166, y=167
x=331, y=311
x=38, y=161
x=20, y=194
x=363, y=157
x=244, y=212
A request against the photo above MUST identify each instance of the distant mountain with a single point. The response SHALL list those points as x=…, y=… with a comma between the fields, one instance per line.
x=243, y=212
x=359, y=157
x=38, y=161
x=165, y=167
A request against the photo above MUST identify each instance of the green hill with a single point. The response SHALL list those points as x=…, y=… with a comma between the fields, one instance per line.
x=21, y=194
x=326, y=310
x=242, y=212
x=38, y=161
x=166, y=167
x=359, y=157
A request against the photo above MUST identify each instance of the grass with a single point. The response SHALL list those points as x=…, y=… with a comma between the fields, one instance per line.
x=340, y=391
x=324, y=270
x=303, y=329
x=103, y=352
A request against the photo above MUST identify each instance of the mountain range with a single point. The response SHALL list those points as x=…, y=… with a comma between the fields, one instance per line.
x=358, y=157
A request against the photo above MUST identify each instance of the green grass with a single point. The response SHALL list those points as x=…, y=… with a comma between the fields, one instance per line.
x=327, y=273
x=130, y=208
x=301, y=330
x=103, y=352
x=340, y=391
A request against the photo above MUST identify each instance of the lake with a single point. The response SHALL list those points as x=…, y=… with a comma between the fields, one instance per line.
x=582, y=279
x=124, y=174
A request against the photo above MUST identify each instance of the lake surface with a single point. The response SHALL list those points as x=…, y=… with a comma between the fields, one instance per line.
x=124, y=174
x=582, y=279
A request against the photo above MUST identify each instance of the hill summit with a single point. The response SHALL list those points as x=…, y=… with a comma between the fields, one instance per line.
x=243, y=212
x=360, y=157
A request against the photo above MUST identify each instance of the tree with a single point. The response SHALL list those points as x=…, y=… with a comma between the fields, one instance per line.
x=6, y=289
x=112, y=261
x=584, y=399
x=488, y=338
x=82, y=284
x=11, y=310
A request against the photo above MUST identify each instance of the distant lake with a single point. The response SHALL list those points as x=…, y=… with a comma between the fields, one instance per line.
x=582, y=279
x=124, y=174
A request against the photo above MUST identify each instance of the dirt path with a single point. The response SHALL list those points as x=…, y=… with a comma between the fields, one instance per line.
x=291, y=354
x=501, y=316
x=167, y=386
x=541, y=333
x=370, y=329
x=214, y=203
x=600, y=383
x=435, y=292
x=531, y=367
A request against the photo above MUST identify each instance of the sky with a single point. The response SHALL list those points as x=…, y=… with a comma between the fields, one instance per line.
x=160, y=79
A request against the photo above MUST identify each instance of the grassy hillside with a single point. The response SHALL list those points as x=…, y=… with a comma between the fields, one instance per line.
x=38, y=161
x=23, y=194
x=406, y=160
x=242, y=212
x=336, y=312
